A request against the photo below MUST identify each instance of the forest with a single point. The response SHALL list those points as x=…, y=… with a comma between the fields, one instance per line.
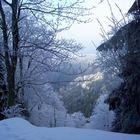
x=45, y=79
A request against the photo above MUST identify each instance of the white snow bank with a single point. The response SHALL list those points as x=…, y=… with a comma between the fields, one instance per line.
x=19, y=129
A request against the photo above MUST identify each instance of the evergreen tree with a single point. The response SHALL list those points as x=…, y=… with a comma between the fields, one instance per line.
x=125, y=100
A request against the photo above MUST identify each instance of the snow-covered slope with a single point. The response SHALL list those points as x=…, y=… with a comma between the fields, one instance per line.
x=19, y=129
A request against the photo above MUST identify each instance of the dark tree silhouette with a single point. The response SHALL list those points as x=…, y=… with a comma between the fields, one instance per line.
x=125, y=100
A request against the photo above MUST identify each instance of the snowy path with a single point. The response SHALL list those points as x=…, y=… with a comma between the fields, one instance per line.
x=19, y=129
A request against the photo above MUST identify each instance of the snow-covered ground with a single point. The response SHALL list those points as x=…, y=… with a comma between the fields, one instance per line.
x=19, y=129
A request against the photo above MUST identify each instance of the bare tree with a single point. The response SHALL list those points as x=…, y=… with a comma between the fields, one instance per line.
x=50, y=15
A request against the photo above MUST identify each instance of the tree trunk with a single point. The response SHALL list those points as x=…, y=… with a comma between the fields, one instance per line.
x=10, y=57
x=11, y=87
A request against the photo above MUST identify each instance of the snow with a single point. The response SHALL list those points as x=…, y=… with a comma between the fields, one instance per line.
x=88, y=80
x=19, y=129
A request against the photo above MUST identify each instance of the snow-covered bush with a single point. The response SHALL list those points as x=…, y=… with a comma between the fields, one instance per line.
x=102, y=117
x=76, y=119
x=79, y=119
x=13, y=111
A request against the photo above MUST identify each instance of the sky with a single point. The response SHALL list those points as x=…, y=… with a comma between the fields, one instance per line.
x=90, y=32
